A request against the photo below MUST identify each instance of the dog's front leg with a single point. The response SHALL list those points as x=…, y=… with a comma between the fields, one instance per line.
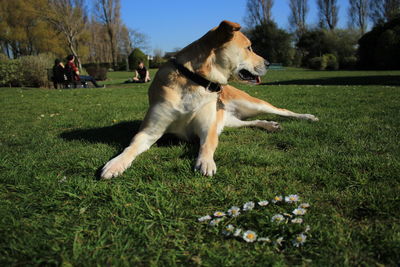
x=155, y=123
x=208, y=129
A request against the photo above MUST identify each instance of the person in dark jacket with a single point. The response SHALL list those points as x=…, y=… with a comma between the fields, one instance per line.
x=141, y=74
x=58, y=73
x=72, y=73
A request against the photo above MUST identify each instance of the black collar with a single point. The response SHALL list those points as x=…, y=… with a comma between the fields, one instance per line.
x=210, y=86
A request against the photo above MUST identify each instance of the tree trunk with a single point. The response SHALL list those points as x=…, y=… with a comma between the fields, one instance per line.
x=111, y=35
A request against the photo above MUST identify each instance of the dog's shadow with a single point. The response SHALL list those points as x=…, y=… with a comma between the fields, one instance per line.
x=119, y=135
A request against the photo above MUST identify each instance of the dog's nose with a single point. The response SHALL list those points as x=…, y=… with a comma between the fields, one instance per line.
x=266, y=63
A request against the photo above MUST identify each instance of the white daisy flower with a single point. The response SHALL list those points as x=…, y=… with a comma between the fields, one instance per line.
x=215, y=222
x=237, y=232
x=248, y=206
x=249, y=236
x=308, y=228
x=297, y=220
x=263, y=203
x=300, y=239
x=279, y=241
x=263, y=239
x=299, y=211
x=304, y=205
x=219, y=214
x=204, y=218
x=234, y=211
x=228, y=230
x=277, y=199
x=288, y=215
x=277, y=218
x=292, y=198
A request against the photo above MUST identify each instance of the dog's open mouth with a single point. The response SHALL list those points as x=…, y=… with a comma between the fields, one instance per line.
x=247, y=76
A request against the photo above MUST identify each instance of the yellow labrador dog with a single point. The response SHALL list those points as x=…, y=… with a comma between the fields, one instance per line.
x=190, y=97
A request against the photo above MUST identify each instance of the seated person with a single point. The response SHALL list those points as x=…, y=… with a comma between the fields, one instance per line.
x=141, y=74
x=72, y=73
x=58, y=73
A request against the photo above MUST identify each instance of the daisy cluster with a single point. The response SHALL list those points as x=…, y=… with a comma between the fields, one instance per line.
x=284, y=225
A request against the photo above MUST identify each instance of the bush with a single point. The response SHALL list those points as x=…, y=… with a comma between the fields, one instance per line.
x=317, y=63
x=379, y=48
x=340, y=43
x=157, y=62
x=9, y=73
x=3, y=57
x=137, y=56
x=97, y=70
x=272, y=43
x=121, y=65
x=331, y=62
x=34, y=69
x=349, y=63
x=29, y=71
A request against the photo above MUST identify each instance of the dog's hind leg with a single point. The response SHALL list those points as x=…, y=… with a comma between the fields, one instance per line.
x=153, y=127
x=232, y=121
x=244, y=105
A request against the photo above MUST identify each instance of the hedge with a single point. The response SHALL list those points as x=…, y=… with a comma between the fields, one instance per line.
x=28, y=71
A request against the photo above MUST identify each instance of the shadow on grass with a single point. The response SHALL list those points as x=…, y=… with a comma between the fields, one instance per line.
x=350, y=80
x=120, y=135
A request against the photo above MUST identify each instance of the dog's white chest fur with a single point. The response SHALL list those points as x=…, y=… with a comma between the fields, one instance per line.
x=194, y=100
x=194, y=104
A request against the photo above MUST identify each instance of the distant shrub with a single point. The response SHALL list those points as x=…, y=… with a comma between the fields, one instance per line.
x=157, y=62
x=340, y=43
x=331, y=62
x=272, y=43
x=379, y=48
x=317, y=63
x=97, y=70
x=3, y=57
x=137, y=56
x=9, y=73
x=349, y=63
x=29, y=71
x=34, y=69
x=121, y=65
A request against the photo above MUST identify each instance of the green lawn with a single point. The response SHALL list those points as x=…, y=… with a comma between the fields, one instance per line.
x=54, y=211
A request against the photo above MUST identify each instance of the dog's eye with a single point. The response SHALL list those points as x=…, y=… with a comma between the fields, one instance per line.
x=250, y=49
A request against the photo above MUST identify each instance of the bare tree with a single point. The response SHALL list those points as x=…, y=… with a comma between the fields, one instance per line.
x=99, y=45
x=68, y=18
x=298, y=14
x=258, y=12
x=139, y=40
x=328, y=13
x=384, y=10
x=108, y=12
x=358, y=14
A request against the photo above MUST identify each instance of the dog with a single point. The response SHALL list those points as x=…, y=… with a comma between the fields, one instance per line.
x=190, y=96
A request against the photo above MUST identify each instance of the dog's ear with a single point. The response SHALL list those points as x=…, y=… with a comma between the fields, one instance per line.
x=229, y=26
x=225, y=30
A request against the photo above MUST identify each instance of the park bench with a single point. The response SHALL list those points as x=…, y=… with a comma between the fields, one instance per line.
x=65, y=84
x=276, y=66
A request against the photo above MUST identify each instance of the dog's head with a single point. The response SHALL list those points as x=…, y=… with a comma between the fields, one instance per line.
x=235, y=53
x=225, y=53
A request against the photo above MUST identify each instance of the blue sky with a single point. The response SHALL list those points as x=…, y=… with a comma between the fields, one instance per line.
x=176, y=23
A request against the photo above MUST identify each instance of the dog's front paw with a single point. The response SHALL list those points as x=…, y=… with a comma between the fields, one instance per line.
x=270, y=126
x=206, y=166
x=115, y=167
x=309, y=117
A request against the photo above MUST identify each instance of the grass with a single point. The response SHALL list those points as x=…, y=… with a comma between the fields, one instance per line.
x=53, y=210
